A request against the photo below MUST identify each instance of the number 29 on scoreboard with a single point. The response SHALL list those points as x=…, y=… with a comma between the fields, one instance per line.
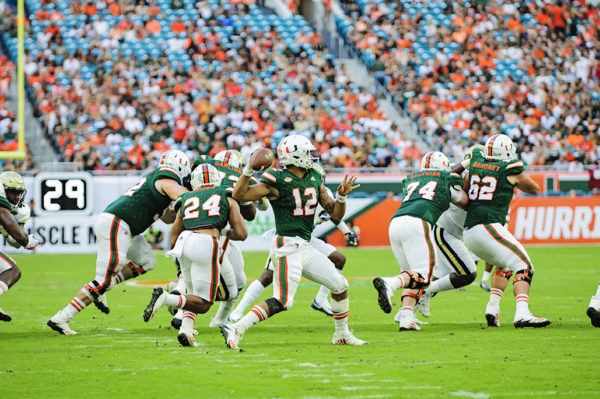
x=66, y=193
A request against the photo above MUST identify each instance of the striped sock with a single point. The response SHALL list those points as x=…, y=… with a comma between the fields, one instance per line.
x=175, y=300
x=74, y=307
x=255, y=315
x=3, y=288
x=187, y=323
x=407, y=311
x=340, y=310
x=395, y=283
x=495, y=296
x=522, y=303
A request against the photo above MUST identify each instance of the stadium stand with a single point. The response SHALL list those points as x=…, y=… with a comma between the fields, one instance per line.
x=118, y=82
x=465, y=69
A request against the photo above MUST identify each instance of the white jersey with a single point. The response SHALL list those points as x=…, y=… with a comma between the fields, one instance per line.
x=453, y=221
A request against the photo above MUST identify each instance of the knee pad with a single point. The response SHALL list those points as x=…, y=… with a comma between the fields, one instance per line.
x=417, y=281
x=524, y=275
x=341, y=286
x=411, y=294
x=507, y=274
x=94, y=290
x=274, y=306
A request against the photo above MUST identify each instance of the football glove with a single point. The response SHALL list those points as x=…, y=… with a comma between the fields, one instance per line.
x=323, y=217
x=261, y=204
x=351, y=239
x=32, y=242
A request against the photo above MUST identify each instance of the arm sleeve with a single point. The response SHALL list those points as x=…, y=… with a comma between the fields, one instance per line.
x=269, y=178
x=455, y=193
x=514, y=168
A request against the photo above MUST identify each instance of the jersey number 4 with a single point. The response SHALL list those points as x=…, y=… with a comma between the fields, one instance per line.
x=482, y=188
x=427, y=191
x=211, y=205
x=309, y=206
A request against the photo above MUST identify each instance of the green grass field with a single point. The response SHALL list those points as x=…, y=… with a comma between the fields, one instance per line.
x=456, y=355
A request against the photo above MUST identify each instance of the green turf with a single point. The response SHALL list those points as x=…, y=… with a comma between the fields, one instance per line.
x=291, y=355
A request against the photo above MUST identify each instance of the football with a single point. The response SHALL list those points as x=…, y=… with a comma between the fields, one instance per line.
x=261, y=159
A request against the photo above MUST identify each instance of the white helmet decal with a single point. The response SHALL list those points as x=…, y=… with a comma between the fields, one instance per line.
x=499, y=147
x=296, y=150
x=435, y=160
x=205, y=175
x=177, y=161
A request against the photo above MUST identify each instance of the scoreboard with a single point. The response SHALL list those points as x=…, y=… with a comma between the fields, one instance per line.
x=58, y=193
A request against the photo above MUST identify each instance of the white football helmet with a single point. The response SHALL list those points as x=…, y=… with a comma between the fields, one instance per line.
x=296, y=150
x=435, y=160
x=499, y=147
x=233, y=158
x=205, y=175
x=177, y=161
x=13, y=187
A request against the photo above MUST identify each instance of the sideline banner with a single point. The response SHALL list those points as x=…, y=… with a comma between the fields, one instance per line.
x=555, y=220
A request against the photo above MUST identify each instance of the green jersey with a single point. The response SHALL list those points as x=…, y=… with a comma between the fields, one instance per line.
x=490, y=192
x=427, y=194
x=142, y=204
x=297, y=202
x=4, y=203
x=206, y=207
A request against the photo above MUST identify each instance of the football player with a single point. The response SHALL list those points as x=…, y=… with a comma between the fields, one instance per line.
x=320, y=302
x=455, y=267
x=593, y=310
x=202, y=215
x=13, y=215
x=119, y=234
x=428, y=194
x=294, y=193
x=229, y=165
x=493, y=175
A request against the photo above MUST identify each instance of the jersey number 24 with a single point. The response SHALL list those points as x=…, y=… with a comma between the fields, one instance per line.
x=211, y=205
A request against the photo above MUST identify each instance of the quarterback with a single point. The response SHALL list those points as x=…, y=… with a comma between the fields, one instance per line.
x=119, y=235
x=294, y=193
x=13, y=215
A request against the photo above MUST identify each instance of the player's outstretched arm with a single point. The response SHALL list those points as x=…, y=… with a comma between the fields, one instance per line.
x=339, y=205
x=524, y=183
x=238, y=231
x=459, y=198
x=12, y=227
x=176, y=229
x=170, y=188
x=243, y=193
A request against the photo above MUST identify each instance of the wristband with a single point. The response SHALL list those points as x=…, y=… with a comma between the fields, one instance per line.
x=248, y=171
x=340, y=198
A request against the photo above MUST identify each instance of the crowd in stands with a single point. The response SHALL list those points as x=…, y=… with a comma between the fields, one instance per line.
x=8, y=121
x=118, y=82
x=465, y=69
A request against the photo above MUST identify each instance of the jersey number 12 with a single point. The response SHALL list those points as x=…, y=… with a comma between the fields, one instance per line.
x=309, y=206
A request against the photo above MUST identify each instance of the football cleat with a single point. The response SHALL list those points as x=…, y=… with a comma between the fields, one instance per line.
x=408, y=323
x=485, y=286
x=384, y=298
x=4, y=316
x=346, y=338
x=423, y=304
x=235, y=316
x=176, y=321
x=322, y=306
x=492, y=315
x=594, y=316
x=101, y=303
x=158, y=299
x=531, y=321
x=186, y=338
x=232, y=336
x=60, y=323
